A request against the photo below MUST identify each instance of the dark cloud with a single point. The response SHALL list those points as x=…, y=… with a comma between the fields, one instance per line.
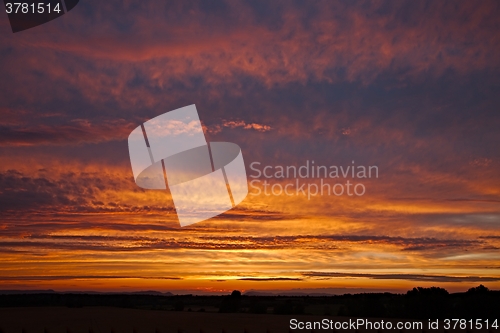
x=75, y=133
x=271, y=279
x=406, y=244
x=174, y=239
x=410, y=277
x=64, y=191
x=81, y=277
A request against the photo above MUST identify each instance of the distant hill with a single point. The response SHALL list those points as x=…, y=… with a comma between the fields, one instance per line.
x=23, y=292
x=285, y=293
x=149, y=292
x=50, y=291
x=317, y=292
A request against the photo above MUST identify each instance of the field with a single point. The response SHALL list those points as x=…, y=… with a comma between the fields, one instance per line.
x=117, y=320
x=146, y=313
x=109, y=319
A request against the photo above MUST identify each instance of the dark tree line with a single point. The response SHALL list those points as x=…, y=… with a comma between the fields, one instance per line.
x=418, y=303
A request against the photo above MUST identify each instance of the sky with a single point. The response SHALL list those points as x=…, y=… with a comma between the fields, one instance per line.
x=411, y=87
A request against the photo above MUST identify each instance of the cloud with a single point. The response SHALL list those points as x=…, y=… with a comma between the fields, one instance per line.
x=217, y=128
x=67, y=191
x=406, y=244
x=134, y=66
x=241, y=123
x=326, y=42
x=82, y=277
x=76, y=132
x=410, y=277
x=45, y=235
x=270, y=279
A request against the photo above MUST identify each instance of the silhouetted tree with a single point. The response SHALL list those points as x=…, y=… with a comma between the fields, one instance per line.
x=231, y=303
x=432, y=291
x=431, y=303
x=478, y=290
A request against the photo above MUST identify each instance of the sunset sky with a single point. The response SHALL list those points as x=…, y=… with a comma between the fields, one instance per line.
x=412, y=87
